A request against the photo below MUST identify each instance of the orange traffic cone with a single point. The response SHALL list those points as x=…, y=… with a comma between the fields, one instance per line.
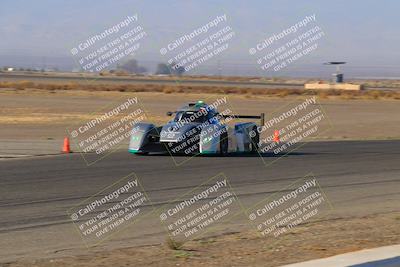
x=276, y=136
x=66, y=148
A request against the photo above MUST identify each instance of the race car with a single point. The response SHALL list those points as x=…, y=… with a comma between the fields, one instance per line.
x=197, y=128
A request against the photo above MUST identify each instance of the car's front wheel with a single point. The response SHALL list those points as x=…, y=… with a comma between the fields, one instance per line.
x=255, y=140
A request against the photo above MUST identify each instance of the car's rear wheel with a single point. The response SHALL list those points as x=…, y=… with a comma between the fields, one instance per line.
x=223, y=144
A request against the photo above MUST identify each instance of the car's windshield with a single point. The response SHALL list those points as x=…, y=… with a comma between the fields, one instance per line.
x=190, y=116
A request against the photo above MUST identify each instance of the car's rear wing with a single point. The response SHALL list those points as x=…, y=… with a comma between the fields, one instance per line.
x=261, y=117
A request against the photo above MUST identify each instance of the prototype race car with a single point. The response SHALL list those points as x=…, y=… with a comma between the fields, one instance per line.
x=197, y=128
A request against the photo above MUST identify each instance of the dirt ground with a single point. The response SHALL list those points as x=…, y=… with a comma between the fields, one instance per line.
x=33, y=111
x=305, y=242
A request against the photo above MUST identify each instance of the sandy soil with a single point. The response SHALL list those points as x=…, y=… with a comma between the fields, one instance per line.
x=247, y=248
x=34, y=110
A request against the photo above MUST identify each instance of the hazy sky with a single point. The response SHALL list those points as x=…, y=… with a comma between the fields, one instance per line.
x=358, y=31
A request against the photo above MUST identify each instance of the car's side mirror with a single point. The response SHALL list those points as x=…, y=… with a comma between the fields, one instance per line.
x=169, y=113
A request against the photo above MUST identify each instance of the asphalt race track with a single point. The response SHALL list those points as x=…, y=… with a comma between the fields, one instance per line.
x=359, y=178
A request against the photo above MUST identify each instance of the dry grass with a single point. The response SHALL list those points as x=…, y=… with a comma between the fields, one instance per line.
x=173, y=244
x=173, y=89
